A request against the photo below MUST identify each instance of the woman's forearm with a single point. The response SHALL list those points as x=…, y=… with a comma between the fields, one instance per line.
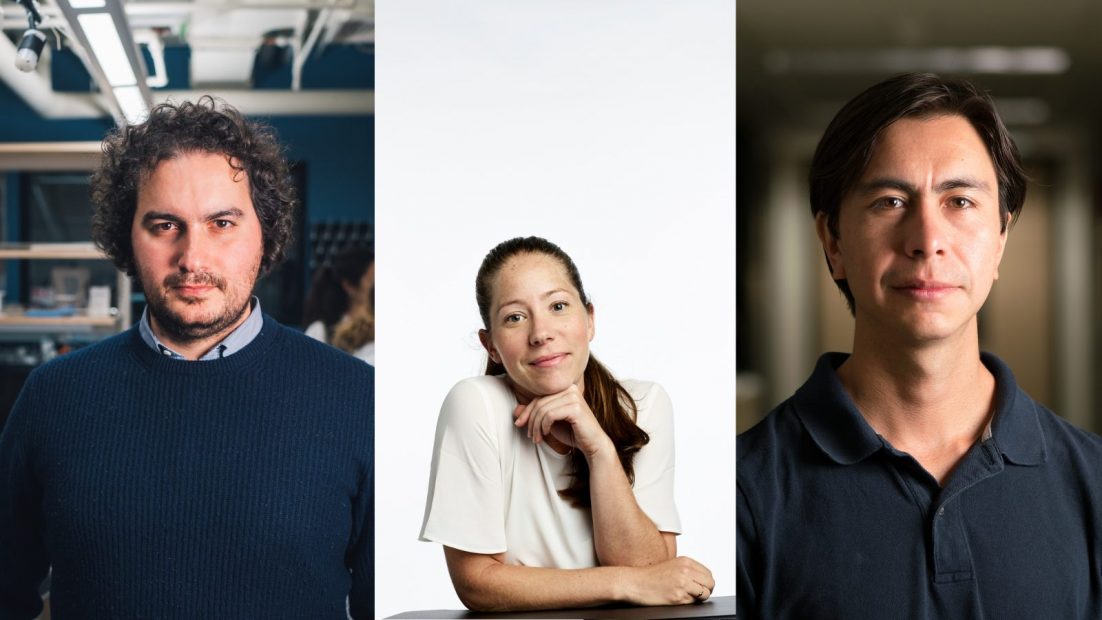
x=486, y=583
x=623, y=535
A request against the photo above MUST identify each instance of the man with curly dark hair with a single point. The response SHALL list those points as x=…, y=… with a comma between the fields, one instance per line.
x=209, y=461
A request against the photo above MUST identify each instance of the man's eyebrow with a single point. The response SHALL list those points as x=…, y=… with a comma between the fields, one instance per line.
x=160, y=215
x=962, y=183
x=231, y=212
x=880, y=183
x=171, y=217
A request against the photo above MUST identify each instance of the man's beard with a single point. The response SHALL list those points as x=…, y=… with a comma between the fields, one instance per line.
x=182, y=330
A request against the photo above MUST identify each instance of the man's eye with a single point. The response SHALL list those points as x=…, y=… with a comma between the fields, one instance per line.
x=163, y=226
x=513, y=318
x=558, y=306
x=890, y=202
x=223, y=223
x=961, y=202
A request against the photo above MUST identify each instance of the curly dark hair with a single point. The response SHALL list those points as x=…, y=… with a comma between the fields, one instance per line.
x=131, y=153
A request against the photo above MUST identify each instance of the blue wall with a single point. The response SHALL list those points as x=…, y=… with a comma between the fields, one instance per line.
x=337, y=152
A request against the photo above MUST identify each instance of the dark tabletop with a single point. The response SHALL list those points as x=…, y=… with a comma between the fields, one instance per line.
x=716, y=607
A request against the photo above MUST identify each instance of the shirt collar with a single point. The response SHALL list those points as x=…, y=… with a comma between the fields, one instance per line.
x=241, y=336
x=1016, y=426
x=841, y=432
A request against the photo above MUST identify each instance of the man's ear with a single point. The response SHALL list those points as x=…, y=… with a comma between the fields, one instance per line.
x=830, y=247
x=484, y=338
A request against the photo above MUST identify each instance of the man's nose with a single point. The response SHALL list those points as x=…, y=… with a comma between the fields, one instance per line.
x=195, y=251
x=925, y=230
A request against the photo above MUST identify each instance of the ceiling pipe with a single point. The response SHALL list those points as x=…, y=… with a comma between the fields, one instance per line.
x=156, y=49
x=283, y=103
x=16, y=19
x=35, y=89
x=303, y=51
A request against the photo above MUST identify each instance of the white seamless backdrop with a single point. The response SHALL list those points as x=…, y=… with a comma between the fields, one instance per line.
x=607, y=127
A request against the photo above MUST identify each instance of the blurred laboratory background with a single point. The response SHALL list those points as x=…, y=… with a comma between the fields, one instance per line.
x=799, y=61
x=70, y=70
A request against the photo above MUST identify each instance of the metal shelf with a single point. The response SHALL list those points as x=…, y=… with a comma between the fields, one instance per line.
x=57, y=321
x=16, y=321
x=51, y=251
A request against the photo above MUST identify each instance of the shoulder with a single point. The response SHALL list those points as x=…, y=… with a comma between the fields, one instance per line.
x=477, y=409
x=483, y=392
x=769, y=444
x=1031, y=431
x=651, y=401
x=314, y=355
x=1069, y=442
x=105, y=356
x=645, y=392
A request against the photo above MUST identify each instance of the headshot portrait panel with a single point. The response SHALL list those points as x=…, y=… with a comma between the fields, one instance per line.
x=917, y=281
x=615, y=142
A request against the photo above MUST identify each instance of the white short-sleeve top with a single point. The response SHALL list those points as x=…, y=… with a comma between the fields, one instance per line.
x=491, y=490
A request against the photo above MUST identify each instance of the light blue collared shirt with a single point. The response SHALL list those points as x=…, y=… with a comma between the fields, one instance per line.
x=231, y=344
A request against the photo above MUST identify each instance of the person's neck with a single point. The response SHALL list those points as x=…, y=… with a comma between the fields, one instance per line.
x=931, y=400
x=194, y=349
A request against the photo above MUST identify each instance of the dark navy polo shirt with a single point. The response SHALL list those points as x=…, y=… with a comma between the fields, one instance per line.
x=833, y=522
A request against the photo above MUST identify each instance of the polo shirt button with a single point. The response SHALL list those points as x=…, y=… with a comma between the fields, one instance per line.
x=941, y=511
x=167, y=352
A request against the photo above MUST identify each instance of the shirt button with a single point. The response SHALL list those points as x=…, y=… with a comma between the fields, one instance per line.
x=941, y=511
x=167, y=352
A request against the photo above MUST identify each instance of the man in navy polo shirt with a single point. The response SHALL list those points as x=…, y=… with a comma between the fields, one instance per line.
x=913, y=478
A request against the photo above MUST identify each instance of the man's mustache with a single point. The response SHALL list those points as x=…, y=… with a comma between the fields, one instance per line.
x=195, y=279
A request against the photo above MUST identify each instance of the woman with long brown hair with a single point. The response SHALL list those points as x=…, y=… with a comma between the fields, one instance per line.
x=552, y=481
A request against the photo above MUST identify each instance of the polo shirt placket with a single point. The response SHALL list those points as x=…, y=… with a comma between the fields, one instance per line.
x=947, y=544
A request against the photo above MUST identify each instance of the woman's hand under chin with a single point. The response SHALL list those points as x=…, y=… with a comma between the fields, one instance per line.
x=567, y=418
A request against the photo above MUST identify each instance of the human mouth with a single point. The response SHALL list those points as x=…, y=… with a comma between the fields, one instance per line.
x=548, y=361
x=193, y=290
x=197, y=285
x=925, y=290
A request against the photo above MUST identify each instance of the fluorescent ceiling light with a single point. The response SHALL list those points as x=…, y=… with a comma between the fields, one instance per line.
x=107, y=47
x=986, y=60
x=87, y=4
x=131, y=103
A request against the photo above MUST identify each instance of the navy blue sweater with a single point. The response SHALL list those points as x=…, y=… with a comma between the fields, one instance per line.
x=235, y=488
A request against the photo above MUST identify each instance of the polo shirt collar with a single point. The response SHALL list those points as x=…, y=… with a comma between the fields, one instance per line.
x=1016, y=427
x=831, y=418
x=841, y=432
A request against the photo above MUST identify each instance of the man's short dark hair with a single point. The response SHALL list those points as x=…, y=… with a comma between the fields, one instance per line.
x=847, y=145
x=131, y=153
